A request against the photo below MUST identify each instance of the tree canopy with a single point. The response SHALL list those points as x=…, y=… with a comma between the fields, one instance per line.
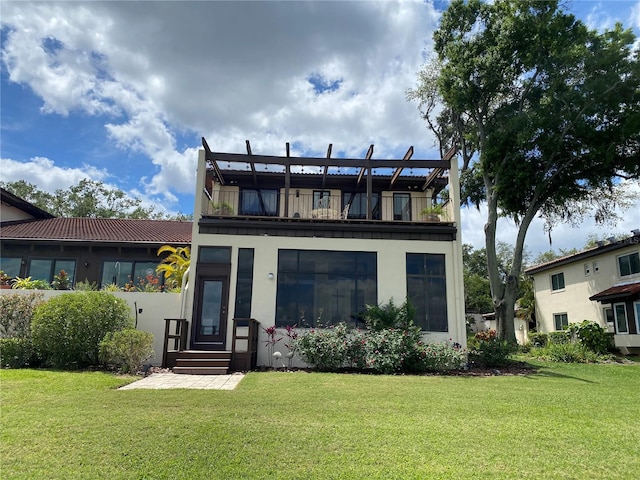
x=89, y=198
x=551, y=110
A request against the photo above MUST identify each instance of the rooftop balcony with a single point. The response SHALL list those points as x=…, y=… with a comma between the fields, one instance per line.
x=302, y=196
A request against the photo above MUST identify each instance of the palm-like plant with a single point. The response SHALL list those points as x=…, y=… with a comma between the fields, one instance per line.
x=174, y=265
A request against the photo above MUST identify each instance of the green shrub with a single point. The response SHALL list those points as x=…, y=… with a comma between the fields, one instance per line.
x=568, y=353
x=67, y=330
x=127, y=349
x=440, y=357
x=558, y=337
x=16, y=352
x=324, y=349
x=538, y=339
x=16, y=313
x=591, y=335
x=29, y=284
x=384, y=316
x=491, y=351
x=391, y=350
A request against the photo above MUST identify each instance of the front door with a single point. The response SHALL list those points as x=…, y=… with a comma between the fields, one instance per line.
x=209, y=329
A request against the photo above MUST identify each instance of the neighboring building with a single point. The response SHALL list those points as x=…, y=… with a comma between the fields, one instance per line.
x=34, y=243
x=310, y=241
x=601, y=284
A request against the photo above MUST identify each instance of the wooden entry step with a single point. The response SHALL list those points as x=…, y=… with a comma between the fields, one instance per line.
x=203, y=362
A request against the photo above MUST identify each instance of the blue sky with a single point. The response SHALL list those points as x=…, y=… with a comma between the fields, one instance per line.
x=122, y=92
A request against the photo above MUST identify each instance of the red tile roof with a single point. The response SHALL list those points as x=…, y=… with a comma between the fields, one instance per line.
x=617, y=291
x=100, y=230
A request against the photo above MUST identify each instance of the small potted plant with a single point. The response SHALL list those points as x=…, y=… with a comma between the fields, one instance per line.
x=5, y=280
x=61, y=281
x=432, y=213
x=221, y=208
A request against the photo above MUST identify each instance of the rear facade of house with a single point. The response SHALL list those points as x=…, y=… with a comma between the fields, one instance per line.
x=308, y=242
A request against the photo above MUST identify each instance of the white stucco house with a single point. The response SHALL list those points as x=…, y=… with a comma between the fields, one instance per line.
x=310, y=241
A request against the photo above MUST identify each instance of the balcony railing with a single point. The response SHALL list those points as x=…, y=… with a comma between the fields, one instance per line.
x=306, y=206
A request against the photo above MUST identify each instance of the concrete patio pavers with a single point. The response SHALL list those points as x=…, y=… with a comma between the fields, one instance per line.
x=159, y=381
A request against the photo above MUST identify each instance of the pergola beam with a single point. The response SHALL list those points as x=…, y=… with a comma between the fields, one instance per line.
x=398, y=171
x=211, y=159
x=326, y=167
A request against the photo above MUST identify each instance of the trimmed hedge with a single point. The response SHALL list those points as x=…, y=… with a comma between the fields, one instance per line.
x=67, y=330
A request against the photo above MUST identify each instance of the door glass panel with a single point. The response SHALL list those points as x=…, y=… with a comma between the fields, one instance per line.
x=211, y=303
x=621, y=318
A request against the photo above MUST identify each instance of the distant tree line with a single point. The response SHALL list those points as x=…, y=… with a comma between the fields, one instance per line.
x=88, y=198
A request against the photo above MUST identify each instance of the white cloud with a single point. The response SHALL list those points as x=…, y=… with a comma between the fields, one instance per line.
x=226, y=71
x=46, y=175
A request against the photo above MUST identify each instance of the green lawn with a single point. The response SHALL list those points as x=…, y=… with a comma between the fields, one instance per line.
x=566, y=421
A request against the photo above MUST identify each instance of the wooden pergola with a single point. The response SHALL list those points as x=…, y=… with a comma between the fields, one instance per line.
x=366, y=165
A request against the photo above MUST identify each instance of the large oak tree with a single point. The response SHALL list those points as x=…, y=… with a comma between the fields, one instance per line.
x=551, y=110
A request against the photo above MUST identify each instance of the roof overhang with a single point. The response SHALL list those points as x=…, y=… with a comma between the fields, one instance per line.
x=618, y=292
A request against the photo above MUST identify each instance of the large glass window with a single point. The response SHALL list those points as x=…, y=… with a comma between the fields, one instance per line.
x=259, y=202
x=620, y=313
x=426, y=290
x=358, y=205
x=560, y=320
x=320, y=288
x=557, y=281
x=135, y=274
x=11, y=266
x=47, y=268
x=244, y=283
x=401, y=206
x=629, y=264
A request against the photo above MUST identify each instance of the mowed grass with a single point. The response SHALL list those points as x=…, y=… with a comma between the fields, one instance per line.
x=564, y=422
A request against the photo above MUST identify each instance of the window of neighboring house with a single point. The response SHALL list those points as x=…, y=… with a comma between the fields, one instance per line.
x=135, y=274
x=11, y=266
x=46, y=269
x=244, y=283
x=319, y=288
x=596, y=267
x=426, y=290
x=557, y=281
x=402, y=206
x=322, y=199
x=629, y=264
x=358, y=205
x=620, y=314
x=560, y=320
x=608, y=315
x=636, y=310
x=587, y=269
x=259, y=202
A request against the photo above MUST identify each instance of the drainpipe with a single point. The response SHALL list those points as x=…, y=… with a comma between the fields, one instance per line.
x=183, y=292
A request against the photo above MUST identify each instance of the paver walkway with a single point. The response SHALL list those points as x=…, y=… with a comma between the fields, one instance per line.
x=160, y=381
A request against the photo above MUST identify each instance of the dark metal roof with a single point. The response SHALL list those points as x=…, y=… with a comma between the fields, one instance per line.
x=617, y=292
x=99, y=230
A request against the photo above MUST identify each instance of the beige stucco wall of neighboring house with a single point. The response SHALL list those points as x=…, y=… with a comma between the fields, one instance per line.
x=9, y=213
x=579, y=286
x=152, y=309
